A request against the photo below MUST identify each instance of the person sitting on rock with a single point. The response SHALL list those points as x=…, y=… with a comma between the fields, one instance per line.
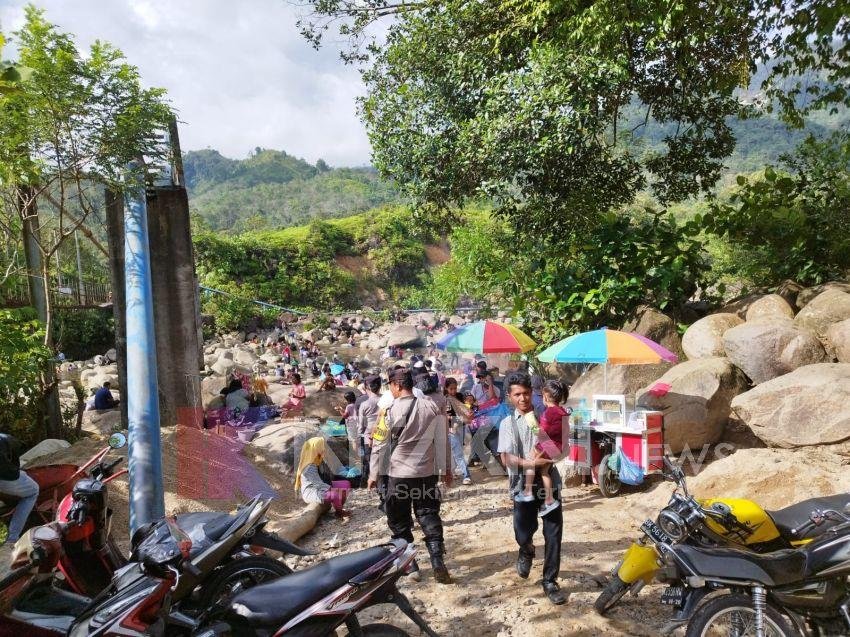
x=236, y=400
x=103, y=399
x=259, y=395
x=296, y=396
x=308, y=482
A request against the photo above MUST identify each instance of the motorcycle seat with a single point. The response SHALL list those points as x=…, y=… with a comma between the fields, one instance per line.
x=274, y=603
x=790, y=518
x=772, y=569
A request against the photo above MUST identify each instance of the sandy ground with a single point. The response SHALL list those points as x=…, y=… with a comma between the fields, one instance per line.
x=487, y=597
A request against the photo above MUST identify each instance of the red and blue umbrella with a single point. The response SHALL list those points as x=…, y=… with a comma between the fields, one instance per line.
x=487, y=337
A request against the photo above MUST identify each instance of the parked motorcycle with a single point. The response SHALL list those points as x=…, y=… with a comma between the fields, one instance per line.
x=713, y=522
x=55, y=482
x=135, y=603
x=90, y=556
x=173, y=580
x=789, y=593
x=316, y=601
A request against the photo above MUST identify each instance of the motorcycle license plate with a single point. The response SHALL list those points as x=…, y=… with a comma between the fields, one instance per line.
x=673, y=596
x=655, y=533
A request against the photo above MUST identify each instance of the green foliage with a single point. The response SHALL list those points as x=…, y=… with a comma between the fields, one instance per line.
x=22, y=359
x=792, y=223
x=74, y=116
x=532, y=102
x=300, y=267
x=81, y=334
x=481, y=264
x=559, y=286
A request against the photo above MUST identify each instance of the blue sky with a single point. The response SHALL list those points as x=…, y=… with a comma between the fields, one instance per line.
x=238, y=72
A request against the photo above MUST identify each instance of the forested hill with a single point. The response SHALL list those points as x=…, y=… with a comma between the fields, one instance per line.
x=271, y=189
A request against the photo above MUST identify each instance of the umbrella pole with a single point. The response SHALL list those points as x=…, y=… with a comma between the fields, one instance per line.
x=605, y=376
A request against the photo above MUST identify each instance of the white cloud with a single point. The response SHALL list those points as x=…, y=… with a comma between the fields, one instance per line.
x=239, y=73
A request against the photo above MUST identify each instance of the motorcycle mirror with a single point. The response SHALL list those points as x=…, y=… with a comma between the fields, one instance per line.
x=117, y=440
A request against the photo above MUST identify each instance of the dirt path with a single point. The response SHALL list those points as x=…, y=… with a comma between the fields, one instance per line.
x=488, y=598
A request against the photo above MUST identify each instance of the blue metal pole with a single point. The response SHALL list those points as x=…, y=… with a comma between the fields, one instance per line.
x=145, y=457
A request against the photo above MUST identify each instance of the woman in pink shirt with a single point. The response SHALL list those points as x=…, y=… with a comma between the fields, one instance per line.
x=296, y=395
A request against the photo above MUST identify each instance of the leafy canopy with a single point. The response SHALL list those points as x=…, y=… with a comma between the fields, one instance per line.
x=791, y=222
x=523, y=101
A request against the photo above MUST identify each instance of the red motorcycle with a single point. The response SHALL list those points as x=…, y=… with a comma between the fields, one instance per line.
x=55, y=482
x=153, y=593
x=90, y=555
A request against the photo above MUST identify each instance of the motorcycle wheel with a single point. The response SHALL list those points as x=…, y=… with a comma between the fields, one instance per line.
x=381, y=630
x=243, y=573
x=609, y=481
x=734, y=615
x=610, y=595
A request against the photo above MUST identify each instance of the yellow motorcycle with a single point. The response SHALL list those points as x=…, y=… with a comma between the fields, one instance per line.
x=726, y=522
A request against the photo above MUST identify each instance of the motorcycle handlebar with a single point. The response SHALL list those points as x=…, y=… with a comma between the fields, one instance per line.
x=112, y=465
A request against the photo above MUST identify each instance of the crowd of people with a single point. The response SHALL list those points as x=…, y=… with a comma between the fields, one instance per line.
x=410, y=426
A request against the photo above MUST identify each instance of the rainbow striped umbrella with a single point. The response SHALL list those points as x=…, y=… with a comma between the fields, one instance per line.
x=607, y=346
x=487, y=337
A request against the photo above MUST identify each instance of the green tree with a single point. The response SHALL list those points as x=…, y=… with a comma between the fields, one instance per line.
x=791, y=222
x=68, y=130
x=22, y=360
x=525, y=101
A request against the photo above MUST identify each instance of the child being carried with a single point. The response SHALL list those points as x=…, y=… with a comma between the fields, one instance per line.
x=550, y=444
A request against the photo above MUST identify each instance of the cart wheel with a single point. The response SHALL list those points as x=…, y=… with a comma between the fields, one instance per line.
x=609, y=481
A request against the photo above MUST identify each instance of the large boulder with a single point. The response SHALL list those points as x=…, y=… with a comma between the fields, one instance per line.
x=829, y=307
x=807, y=295
x=211, y=387
x=775, y=478
x=656, y=326
x=404, y=336
x=103, y=422
x=697, y=405
x=809, y=406
x=704, y=339
x=95, y=378
x=839, y=340
x=767, y=349
x=769, y=307
x=312, y=335
x=740, y=305
x=225, y=364
x=44, y=448
x=323, y=404
x=790, y=291
x=245, y=358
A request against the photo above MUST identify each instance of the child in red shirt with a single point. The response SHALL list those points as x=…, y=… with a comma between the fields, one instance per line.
x=550, y=444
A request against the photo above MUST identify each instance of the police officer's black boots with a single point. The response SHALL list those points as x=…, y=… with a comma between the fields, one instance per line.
x=436, y=549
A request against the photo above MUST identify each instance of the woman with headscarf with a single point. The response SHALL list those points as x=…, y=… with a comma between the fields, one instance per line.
x=309, y=483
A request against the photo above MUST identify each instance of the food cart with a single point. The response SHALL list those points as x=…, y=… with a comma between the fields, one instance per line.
x=608, y=427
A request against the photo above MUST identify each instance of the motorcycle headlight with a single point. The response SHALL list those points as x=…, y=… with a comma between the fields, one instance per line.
x=673, y=525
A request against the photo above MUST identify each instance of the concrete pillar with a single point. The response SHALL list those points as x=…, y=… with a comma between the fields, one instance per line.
x=177, y=319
